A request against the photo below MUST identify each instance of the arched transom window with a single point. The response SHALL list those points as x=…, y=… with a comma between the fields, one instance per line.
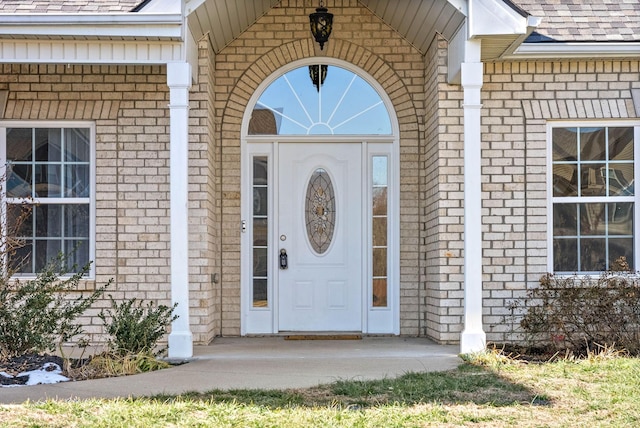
x=320, y=99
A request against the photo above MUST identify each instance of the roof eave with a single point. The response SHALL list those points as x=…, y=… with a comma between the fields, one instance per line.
x=83, y=25
x=563, y=50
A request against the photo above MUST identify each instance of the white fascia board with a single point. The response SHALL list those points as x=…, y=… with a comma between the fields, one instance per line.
x=461, y=5
x=576, y=50
x=90, y=51
x=191, y=6
x=151, y=26
x=494, y=18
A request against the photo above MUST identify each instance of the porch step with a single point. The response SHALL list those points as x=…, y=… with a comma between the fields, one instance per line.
x=323, y=337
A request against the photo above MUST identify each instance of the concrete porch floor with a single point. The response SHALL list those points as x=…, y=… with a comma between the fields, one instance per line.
x=261, y=363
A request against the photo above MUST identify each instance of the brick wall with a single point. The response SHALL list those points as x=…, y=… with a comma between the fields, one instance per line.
x=519, y=99
x=129, y=105
x=443, y=195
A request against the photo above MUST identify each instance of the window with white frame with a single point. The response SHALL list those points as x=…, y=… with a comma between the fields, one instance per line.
x=593, y=196
x=49, y=168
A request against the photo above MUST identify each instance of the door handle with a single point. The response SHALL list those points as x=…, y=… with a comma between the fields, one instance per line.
x=284, y=259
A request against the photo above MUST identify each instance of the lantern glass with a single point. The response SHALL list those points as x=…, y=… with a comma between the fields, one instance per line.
x=321, y=23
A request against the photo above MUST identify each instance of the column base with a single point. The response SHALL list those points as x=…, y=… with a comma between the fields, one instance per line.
x=180, y=345
x=473, y=342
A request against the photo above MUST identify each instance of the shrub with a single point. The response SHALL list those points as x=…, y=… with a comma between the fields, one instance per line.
x=579, y=313
x=136, y=328
x=36, y=314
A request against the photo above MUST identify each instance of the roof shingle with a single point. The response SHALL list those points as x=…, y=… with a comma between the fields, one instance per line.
x=584, y=20
x=67, y=6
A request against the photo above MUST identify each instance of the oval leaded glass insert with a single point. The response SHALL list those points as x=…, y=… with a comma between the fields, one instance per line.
x=320, y=210
x=320, y=99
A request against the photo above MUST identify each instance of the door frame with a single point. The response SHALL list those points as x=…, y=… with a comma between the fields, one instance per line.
x=264, y=320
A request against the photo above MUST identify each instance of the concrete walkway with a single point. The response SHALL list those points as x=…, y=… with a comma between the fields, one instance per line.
x=261, y=363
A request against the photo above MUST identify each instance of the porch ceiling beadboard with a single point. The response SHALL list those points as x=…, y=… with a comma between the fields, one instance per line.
x=225, y=20
x=416, y=20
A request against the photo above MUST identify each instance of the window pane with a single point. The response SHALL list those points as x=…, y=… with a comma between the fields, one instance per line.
x=77, y=145
x=260, y=262
x=320, y=99
x=565, y=255
x=76, y=253
x=593, y=255
x=260, y=293
x=592, y=179
x=592, y=219
x=77, y=181
x=379, y=201
x=592, y=144
x=260, y=201
x=380, y=292
x=21, y=261
x=621, y=178
x=621, y=218
x=48, y=181
x=260, y=232
x=565, y=219
x=565, y=144
x=19, y=144
x=260, y=171
x=48, y=220
x=19, y=181
x=565, y=180
x=46, y=250
x=379, y=262
x=48, y=145
x=621, y=143
x=379, y=231
x=76, y=223
x=19, y=220
x=621, y=247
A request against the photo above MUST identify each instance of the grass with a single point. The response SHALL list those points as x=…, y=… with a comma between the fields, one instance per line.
x=487, y=390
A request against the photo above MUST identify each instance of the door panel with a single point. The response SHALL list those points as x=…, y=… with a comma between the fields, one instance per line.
x=321, y=289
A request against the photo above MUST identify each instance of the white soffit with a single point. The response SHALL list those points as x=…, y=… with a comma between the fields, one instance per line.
x=419, y=20
x=415, y=20
x=224, y=20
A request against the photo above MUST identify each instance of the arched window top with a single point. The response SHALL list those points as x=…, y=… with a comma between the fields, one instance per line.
x=320, y=99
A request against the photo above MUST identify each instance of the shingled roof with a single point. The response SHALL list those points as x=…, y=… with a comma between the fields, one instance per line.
x=68, y=6
x=584, y=21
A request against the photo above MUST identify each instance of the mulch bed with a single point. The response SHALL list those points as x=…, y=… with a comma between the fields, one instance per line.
x=28, y=362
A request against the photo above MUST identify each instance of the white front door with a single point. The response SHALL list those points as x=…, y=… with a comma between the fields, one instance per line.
x=320, y=227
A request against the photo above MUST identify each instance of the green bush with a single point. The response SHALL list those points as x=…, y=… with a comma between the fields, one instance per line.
x=136, y=328
x=36, y=315
x=579, y=313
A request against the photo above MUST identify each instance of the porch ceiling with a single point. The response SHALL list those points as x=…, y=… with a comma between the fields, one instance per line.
x=415, y=20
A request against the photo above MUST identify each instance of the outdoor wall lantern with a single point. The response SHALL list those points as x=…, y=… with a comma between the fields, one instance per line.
x=321, y=23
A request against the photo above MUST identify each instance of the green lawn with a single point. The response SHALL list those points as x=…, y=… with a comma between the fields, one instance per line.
x=490, y=391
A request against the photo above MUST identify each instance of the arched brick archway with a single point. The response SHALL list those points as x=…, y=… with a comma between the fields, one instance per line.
x=409, y=126
x=372, y=64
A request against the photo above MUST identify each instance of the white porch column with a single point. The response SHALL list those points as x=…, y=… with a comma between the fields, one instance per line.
x=179, y=82
x=473, y=338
